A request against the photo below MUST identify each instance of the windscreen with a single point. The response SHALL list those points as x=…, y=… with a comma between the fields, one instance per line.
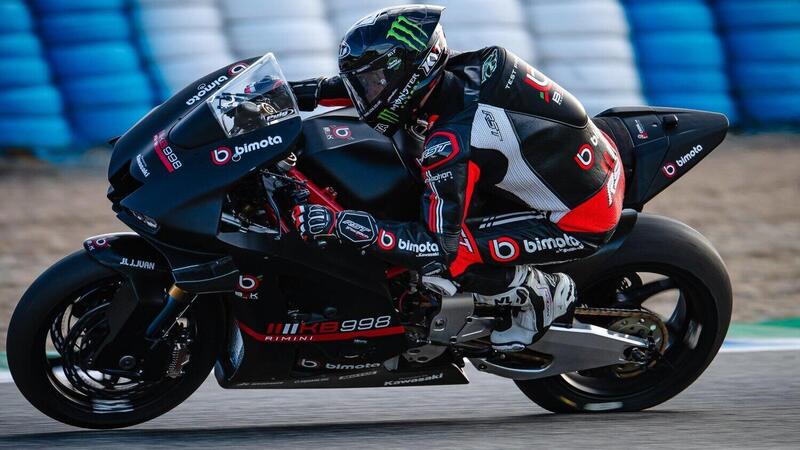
x=258, y=97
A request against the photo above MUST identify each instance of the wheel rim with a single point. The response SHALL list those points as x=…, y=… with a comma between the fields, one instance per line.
x=678, y=299
x=74, y=328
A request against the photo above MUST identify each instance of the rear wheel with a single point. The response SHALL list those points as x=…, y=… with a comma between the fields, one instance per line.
x=54, y=350
x=682, y=286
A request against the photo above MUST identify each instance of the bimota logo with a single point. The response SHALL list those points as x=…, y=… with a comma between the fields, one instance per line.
x=138, y=263
x=670, y=170
x=237, y=68
x=421, y=248
x=246, y=287
x=351, y=366
x=563, y=244
x=401, y=382
x=503, y=249
x=223, y=155
x=204, y=89
x=386, y=240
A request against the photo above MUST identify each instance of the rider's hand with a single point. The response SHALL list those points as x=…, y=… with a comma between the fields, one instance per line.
x=320, y=223
x=315, y=222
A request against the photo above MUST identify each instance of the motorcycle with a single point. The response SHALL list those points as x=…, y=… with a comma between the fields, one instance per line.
x=213, y=275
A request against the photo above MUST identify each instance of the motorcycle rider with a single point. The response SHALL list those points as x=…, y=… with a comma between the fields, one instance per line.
x=499, y=137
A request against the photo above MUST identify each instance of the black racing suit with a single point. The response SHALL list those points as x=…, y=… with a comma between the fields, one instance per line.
x=515, y=173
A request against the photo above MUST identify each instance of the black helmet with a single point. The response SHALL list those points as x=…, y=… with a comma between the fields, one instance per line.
x=390, y=61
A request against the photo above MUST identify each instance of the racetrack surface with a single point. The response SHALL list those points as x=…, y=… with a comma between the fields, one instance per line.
x=744, y=400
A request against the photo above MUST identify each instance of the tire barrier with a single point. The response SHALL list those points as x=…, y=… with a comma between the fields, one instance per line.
x=681, y=60
x=180, y=41
x=762, y=39
x=297, y=32
x=103, y=63
x=584, y=46
x=31, y=109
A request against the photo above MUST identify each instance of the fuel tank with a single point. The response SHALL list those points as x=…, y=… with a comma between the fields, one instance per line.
x=363, y=166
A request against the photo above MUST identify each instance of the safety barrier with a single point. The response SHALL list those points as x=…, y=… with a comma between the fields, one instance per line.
x=75, y=73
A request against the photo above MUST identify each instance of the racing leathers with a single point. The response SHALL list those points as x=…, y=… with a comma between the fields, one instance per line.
x=515, y=174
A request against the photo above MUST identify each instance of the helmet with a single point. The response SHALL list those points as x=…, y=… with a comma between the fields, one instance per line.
x=390, y=61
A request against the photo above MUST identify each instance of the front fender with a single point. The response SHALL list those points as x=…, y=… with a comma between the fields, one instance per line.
x=132, y=256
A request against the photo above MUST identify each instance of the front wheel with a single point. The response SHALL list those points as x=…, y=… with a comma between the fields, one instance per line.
x=672, y=274
x=55, y=350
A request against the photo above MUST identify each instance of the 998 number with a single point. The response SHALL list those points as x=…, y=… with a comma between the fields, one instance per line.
x=366, y=323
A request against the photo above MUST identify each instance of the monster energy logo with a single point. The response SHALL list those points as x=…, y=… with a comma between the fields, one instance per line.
x=389, y=116
x=408, y=33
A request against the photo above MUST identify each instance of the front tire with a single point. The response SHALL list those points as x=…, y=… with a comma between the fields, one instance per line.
x=689, y=266
x=43, y=384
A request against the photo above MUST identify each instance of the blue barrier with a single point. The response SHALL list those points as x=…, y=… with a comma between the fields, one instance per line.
x=64, y=29
x=31, y=100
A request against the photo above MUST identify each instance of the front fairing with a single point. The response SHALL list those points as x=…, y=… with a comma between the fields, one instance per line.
x=174, y=168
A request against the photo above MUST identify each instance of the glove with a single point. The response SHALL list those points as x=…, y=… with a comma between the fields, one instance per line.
x=317, y=222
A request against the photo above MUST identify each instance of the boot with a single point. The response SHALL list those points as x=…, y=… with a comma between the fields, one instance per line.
x=537, y=300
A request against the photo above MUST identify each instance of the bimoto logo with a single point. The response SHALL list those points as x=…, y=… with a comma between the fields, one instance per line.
x=671, y=169
x=386, y=240
x=223, y=155
x=585, y=157
x=503, y=249
x=246, y=287
x=407, y=32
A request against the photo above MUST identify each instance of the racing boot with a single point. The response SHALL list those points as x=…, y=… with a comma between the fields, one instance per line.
x=537, y=299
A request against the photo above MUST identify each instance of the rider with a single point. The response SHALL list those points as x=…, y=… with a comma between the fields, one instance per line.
x=499, y=137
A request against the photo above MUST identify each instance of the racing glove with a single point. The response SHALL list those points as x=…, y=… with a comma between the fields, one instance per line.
x=320, y=223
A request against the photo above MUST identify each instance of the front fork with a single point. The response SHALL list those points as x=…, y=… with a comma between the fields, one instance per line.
x=178, y=301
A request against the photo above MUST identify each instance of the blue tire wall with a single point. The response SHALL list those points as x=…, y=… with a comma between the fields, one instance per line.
x=765, y=45
x=670, y=16
x=74, y=28
x=93, y=59
x=679, y=49
x=19, y=44
x=16, y=17
x=132, y=88
x=67, y=6
x=97, y=125
x=23, y=71
x=763, y=14
x=32, y=100
x=762, y=38
x=34, y=131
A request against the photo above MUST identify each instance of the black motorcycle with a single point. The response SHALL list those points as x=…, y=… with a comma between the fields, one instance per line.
x=214, y=275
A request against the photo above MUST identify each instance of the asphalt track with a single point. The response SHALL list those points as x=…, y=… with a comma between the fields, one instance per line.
x=744, y=400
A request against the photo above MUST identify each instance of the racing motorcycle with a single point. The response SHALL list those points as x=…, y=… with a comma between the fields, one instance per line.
x=213, y=275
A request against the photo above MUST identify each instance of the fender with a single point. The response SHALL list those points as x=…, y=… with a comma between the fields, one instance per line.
x=133, y=257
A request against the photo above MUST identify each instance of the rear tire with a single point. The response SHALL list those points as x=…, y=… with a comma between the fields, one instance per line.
x=31, y=370
x=663, y=246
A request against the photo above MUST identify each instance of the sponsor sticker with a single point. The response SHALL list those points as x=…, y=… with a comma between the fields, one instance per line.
x=489, y=66
x=165, y=153
x=142, y=165
x=206, y=88
x=337, y=132
x=137, y=263
x=407, y=32
x=223, y=155
x=247, y=286
x=671, y=169
x=414, y=380
x=326, y=331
